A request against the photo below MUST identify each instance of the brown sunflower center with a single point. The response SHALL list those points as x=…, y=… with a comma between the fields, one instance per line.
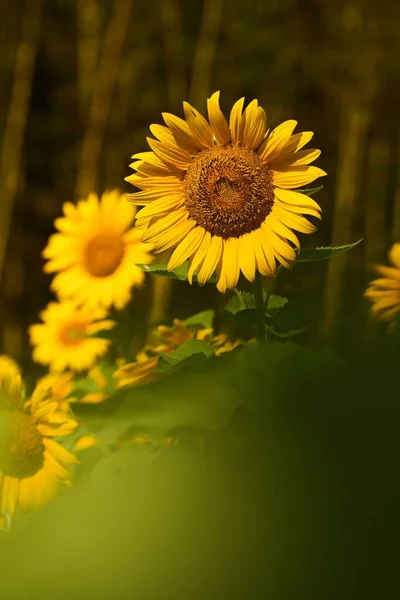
x=103, y=254
x=72, y=334
x=228, y=191
x=21, y=445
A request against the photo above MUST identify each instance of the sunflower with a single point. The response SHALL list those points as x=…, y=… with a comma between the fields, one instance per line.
x=165, y=340
x=222, y=195
x=32, y=464
x=384, y=293
x=95, y=252
x=66, y=338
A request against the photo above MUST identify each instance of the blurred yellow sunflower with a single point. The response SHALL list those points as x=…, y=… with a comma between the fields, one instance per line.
x=32, y=464
x=165, y=340
x=222, y=195
x=96, y=252
x=66, y=338
x=384, y=293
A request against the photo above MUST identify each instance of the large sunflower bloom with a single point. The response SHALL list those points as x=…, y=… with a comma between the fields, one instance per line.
x=384, y=293
x=66, y=338
x=96, y=252
x=222, y=194
x=32, y=464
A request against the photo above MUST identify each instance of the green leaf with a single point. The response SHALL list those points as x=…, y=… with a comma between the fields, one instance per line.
x=167, y=361
x=241, y=306
x=180, y=273
x=291, y=318
x=312, y=254
x=239, y=302
x=202, y=319
x=311, y=191
x=275, y=303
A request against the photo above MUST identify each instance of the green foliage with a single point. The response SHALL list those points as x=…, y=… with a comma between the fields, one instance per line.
x=323, y=253
x=189, y=348
x=202, y=319
x=311, y=191
x=180, y=273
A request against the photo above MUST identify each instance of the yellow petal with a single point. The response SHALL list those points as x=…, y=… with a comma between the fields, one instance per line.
x=198, y=125
x=186, y=248
x=294, y=177
x=282, y=230
x=394, y=255
x=292, y=198
x=164, y=204
x=305, y=157
x=181, y=133
x=163, y=184
x=59, y=452
x=276, y=141
x=199, y=256
x=171, y=155
x=296, y=222
x=254, y=127
x=246, y=256
x=163, y=134
x=389, y=272
x=211, y=260
x=219, y=124
x=175, y=235
x=235, y=121
x=230, y=266
x=162, y=225
x=293, y=145
x=262, y=263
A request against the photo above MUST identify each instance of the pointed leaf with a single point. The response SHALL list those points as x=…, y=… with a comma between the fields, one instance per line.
x=312, y=254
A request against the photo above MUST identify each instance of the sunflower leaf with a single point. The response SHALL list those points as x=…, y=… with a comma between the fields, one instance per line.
x=239, y=302
x=313, y=254
x=202, y=319
x=311, y=191
x=188, y=348
x=180, y=273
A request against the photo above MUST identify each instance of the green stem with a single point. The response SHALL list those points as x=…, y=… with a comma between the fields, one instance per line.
x=259, y=306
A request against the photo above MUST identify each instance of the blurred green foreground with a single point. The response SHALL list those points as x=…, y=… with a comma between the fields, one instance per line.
x=284, y=484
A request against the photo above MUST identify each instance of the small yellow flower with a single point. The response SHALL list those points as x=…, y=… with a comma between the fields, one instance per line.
x=96, y=251
x=65, y=339
x=384, y=293
x=32, y=464
x=222, y=194
x=165, y=340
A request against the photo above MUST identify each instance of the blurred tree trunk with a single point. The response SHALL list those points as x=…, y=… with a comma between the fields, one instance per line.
x=205, y=50
x=88, y=17
x=395, y=233
x=355, y=117
x=375, y=212
x=10, y=167
x=171, y=16
x=101, y=98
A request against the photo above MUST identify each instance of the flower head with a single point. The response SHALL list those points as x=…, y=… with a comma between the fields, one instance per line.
x=96, y=251
x=384, y=293
x=32, y=464
x=66, y=338
x=221, y=195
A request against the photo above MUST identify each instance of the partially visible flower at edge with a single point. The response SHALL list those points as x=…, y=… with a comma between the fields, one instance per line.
x=94, y=255
x=33, y=465
x=384, y=293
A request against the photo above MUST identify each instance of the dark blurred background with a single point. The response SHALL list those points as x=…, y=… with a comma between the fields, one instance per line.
x=81, y=81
